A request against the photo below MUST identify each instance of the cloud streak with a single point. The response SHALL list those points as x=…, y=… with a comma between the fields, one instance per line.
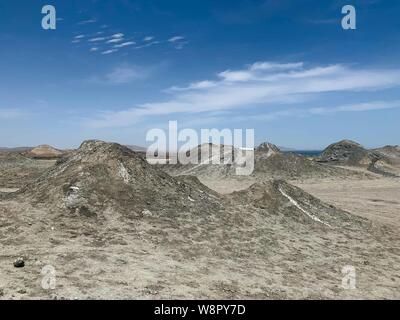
x=121, y=75
x=11, y=113
x=358, y=107
x=261, y=83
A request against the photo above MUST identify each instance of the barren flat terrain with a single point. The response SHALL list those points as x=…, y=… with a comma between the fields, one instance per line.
x=377, y=199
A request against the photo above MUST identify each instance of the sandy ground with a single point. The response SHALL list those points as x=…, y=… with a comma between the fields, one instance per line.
x=377, y=200
x=243, y=255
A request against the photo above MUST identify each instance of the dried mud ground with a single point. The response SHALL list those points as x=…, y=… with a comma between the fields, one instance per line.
x=245, y=253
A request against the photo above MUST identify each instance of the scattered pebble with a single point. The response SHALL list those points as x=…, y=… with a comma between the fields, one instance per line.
x=147, y=213
x=19, y=263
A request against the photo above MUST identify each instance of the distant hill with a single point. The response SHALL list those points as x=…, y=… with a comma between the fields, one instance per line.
x=347, y=152
x=16, y=149
x=136, y=148
x=43, y=152
x=384, y=161
x=271, y=162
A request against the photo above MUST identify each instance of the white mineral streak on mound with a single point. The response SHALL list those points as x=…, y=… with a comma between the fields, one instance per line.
x=294, y=202
x=123, y=173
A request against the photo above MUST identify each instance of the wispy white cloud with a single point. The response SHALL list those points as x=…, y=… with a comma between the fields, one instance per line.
x=262, y=83
x=272, y=66
x=178, y=42
x=115, y=40
x=149, y=44
x=87, y=21
x=125, y=44
x=264, y=71
x=11, y=113
x=109, y=51
x=357, y=107
x=194, y=86
x=97, y=39
x=293, y=112
x=122, y=75
x=117, y=35
x=176, y=39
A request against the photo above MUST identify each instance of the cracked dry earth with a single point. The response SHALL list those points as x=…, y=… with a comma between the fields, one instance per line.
x=271, y=240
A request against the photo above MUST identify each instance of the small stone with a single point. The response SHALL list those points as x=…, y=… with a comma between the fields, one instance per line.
x=1, y=292
x=146, y=212
x=19, y=263
x=74, y=189
x=21, y=291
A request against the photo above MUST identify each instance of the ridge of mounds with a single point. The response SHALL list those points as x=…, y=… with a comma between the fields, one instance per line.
x=101, y=181
x=100, y=176
x=271, y=162
x=43, y=151
x=279, y=198
x=349, y=153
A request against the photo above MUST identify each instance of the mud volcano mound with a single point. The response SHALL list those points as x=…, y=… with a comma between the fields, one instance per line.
x=205, y=160
x=44, y=152
x=384, y=161
x=388, y=163
x=100, y=177
x=270, y=162
x=279, y=198
x=16, y=169
x=267, y=149
x=347, y=152
x=391, y=153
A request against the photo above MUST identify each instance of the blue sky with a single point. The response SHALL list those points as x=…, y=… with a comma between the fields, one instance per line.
x=112, y=70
